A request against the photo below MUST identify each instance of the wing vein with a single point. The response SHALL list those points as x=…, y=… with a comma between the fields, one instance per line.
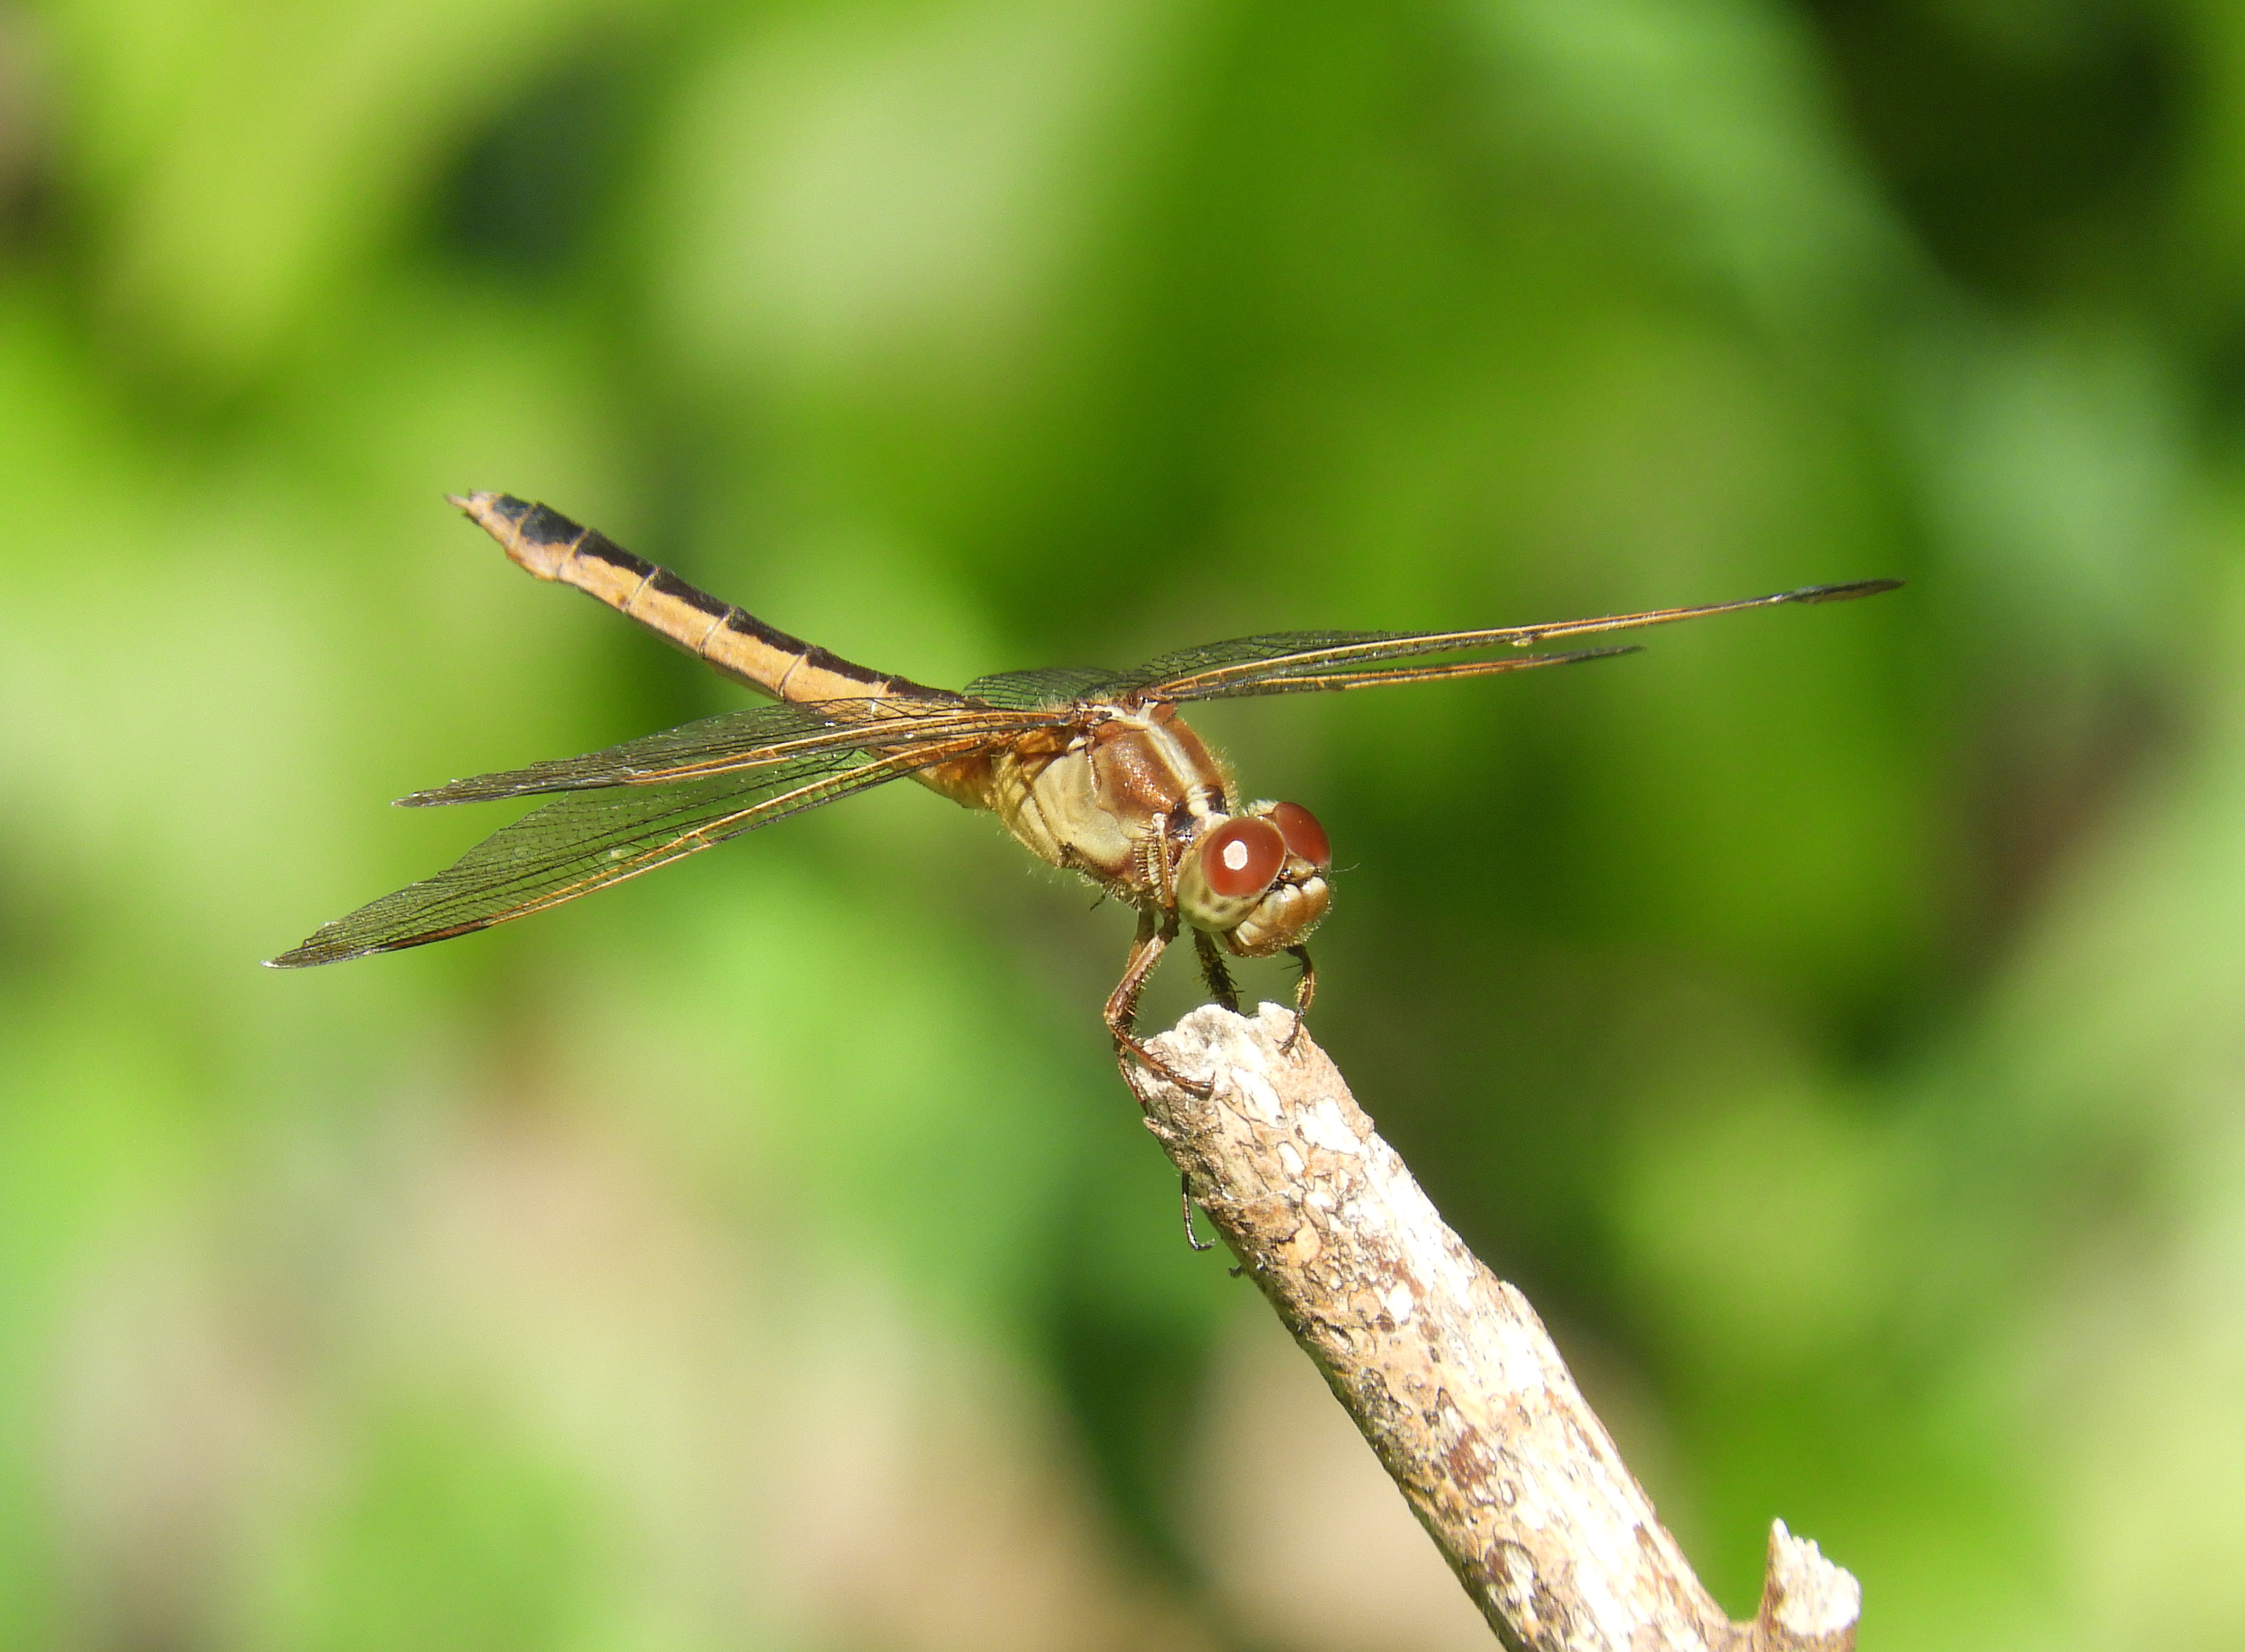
x=1279, y=662
x=587, y=839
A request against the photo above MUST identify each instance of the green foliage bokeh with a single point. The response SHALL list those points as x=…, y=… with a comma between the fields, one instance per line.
x=1829, y=1016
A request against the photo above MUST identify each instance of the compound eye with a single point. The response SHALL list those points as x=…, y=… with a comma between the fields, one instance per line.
x=1303, y=834
x=1241, y=856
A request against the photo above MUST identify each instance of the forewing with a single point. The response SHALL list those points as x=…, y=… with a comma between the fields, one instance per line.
x=1304, y=682
x=758, y=738
x=1306, y=661
x=1054, y=687
x=588, y=840
x=1271, y=650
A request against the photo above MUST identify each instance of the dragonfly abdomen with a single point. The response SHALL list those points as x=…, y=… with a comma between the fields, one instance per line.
x=732, y=640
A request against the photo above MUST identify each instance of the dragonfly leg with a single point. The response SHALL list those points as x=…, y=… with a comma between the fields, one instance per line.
x=1304, y=991
x=1216, y=972
x=1185, y=1198
x=1123, y=1005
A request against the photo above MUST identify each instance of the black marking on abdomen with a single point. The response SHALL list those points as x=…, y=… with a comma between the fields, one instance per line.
x=509, y=509
x=818, y=658
x=771, y=636
x=601, y=548
x=671, y=585
x=539, y=523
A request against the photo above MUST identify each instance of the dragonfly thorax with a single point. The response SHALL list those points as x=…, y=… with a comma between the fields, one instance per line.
x=1140, y=806
x=1112, y=800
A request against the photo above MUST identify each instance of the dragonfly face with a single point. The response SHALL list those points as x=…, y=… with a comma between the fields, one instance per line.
x=1257, y=880
x=1093, y=771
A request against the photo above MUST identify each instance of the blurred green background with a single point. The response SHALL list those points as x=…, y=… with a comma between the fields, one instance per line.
x=1834, y=1019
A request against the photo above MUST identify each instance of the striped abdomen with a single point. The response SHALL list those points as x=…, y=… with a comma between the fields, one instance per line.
x=732, y=640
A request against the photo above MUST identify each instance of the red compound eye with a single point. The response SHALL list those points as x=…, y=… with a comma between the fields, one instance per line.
x=1304, y=836
x=1241, y=856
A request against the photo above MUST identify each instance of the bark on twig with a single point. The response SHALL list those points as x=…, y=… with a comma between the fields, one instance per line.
x=1446, y=1368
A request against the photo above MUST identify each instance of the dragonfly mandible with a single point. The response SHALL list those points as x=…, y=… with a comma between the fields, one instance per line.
x=1094, y=771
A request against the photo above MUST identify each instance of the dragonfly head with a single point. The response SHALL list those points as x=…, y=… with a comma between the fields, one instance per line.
x=1257, y=880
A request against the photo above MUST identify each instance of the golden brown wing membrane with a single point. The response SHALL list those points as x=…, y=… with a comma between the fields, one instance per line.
x=1292, y=662
x=758, y=737
x=586, y=840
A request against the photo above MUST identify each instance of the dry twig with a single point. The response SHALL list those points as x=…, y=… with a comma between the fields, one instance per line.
x=1446, y=1368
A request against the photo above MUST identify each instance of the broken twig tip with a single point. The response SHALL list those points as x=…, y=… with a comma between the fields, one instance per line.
x=1807, y=1603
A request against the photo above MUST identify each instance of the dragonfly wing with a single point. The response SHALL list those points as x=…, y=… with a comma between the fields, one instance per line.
x=758, y=738
x=1295, y=662
x=588, y=840
x=1303, y=682
x=1052, y=688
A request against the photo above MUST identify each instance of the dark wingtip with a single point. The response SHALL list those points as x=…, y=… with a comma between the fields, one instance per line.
x=1847, y=593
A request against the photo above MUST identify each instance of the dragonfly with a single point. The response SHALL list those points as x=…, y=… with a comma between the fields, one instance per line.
x=1094, y=771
